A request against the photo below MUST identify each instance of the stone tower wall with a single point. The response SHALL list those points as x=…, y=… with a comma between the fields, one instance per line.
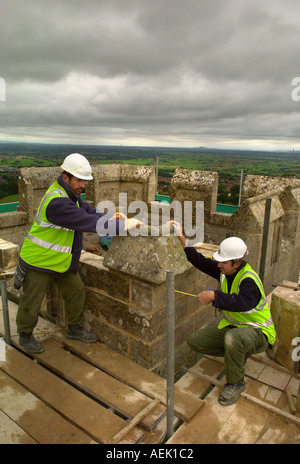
x=126, y=295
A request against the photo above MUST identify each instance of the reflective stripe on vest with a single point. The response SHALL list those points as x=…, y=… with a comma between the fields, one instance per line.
x=39, y=213
x=48, y=245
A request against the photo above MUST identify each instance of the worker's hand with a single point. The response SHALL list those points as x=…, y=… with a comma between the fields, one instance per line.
x=177, y=228
x=206, y=297
x=118, y=215
x=178, y=232
x=132, y=223
x=129, y=223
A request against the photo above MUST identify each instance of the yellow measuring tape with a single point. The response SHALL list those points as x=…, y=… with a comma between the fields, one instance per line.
x=183, y=293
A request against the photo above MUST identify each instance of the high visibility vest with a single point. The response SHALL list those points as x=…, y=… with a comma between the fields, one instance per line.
x=258, y=317
x=47, y=245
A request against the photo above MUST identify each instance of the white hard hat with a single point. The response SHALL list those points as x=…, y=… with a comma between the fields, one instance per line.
x=78, y=166
x=231, y=248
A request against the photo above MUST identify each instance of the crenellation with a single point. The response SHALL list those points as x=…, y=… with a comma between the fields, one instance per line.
x=126, y=286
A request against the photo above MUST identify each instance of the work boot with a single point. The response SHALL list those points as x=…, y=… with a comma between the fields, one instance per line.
x=79, y=333
x=30, y=344
x=231, y=392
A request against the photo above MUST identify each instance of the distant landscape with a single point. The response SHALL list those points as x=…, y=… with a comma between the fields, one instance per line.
x=227, y=163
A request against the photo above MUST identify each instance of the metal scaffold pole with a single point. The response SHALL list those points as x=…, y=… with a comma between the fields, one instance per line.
x=3, y=289
x=170, y=351
x=265, y=239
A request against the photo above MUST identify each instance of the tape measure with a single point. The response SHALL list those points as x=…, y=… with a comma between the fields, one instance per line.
x=188, y=294
x=183, y=293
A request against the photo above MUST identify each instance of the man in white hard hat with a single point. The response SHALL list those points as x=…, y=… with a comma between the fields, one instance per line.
x=246, y=326
x=52, y=248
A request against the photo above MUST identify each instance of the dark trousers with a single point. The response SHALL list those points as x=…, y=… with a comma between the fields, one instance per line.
x=35, y=287
x=234, y=343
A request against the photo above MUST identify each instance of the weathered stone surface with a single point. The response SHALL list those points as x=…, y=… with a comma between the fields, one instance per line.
x=95, y=274
x=138, y=182
x=147, y=258
x=9, y=253
x=189, y=185
x=290, y=200
x=252, y=213
x=33, y=184
x=285, y=308
x=257, y=185
x=126, y=292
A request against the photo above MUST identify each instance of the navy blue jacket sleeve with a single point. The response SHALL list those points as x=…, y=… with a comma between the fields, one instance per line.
x=65, y=213
x=207, y=265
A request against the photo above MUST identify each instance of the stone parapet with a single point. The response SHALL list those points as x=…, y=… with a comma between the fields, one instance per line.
x=126, y=295
x=285, y=309
x=189, y=185
x=138, y=182
x=9, y=254
x=129, y=312
x=33, y=184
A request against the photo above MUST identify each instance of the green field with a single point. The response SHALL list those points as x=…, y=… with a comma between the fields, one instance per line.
x=227, y=163
x=9, y=199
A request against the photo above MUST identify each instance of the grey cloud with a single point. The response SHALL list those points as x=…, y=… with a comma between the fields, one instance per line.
x=140, y=70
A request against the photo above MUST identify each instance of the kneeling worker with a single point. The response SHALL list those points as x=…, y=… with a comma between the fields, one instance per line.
x=246, y=327
x=51, y=252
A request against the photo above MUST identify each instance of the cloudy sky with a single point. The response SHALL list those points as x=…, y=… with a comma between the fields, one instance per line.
x=189, y=73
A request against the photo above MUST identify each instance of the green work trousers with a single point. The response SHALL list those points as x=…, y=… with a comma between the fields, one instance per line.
x=35, y=287
x=234, y=343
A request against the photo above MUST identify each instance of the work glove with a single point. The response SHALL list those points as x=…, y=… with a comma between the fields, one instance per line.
x=19, y=276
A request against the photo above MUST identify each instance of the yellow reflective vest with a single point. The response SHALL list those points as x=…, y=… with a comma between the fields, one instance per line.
x=47, y=245
x=258, y=317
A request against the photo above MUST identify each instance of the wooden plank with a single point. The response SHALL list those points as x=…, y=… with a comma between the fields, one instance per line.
x=288, y=284
x=195, y=385
x=208, y=378
x=101, y=386
x=253, y=368
x=290, y=400
x=143, y=380
x=279, y=431
x=265, y=392
x=241, y=423
x=272, y=409
x=42, y=423
x=254, y=400
x=264, y=359
x=216, y=424
x=275, y=378
x=85, y=413
x=139, y=418
x=12, y=434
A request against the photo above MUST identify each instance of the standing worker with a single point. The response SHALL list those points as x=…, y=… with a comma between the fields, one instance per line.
x=51, y=252
x=246, y=327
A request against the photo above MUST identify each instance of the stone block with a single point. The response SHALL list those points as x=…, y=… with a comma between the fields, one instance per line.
x=9, y=253
x=115, y=339
x=146, y=258
x=133, y=321
x=138, y=182
x=95, y=274
x=256, y=185
x=285, y=309
x=194, y=185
